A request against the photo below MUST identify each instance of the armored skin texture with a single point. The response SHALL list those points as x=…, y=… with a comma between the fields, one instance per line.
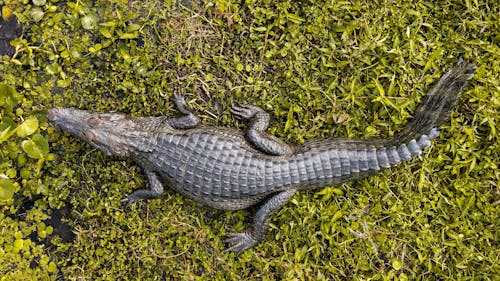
x=229, y=169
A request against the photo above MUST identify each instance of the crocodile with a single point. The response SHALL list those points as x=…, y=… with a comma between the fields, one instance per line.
x=232, y=169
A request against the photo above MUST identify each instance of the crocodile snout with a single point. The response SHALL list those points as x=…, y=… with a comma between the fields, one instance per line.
x=52, y=114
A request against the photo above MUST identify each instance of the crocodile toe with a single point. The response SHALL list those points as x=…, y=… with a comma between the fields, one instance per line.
x=239, y=242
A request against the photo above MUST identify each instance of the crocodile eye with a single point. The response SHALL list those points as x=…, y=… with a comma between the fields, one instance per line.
x=93, y=121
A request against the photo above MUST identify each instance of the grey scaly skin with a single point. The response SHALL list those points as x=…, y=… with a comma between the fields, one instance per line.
x=228, y=169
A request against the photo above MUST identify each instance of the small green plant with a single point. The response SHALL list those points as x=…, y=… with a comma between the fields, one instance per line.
x=27, y=142
x=23, y=151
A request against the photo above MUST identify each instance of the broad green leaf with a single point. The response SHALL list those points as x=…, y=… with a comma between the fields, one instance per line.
x=133, y=28
x=52, y=68
x=18, y=244
x=37, y=14
x=7, y=128
x=36, y=147
x=63, y=83
x=6, y=189
x=19, y=43
x=28, y=127
x=8, y=96
x=131, y=35
x=39, y=2
x=106, y=32
x=338, y=214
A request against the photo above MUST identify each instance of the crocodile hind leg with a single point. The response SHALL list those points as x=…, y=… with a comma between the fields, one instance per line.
x=187, y=120
x=256, y=134
x=249, y=238
x=155, y=190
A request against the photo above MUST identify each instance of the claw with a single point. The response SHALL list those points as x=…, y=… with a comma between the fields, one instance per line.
x=236, y=111
x=244, y=111
x=235, y=108
x=234, y=237
x=239, y=242
x=129, y=200
x=126, y=199
x=180, y=103
x=177, y=95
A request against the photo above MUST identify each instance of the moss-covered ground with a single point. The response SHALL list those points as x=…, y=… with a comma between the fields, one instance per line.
x=321, y=68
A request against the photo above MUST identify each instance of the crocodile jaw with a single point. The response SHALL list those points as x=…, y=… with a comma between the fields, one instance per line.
x=99, y=130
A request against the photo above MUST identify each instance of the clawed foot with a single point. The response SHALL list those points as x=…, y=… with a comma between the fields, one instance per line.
x=180, y=103
x=130, y=199
x=239, y=242
x=245, y=111
x=188, y=119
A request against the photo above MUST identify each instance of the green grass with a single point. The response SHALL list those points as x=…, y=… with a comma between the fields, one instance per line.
x=322, y=69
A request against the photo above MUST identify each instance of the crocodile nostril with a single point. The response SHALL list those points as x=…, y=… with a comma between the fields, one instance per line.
x=52, y=114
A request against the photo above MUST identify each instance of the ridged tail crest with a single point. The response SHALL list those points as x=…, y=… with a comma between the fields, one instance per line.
x=437, y=104
x=429, y=116
x=347, y=159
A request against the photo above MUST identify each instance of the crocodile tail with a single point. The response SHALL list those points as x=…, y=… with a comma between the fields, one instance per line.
x=347, y=159
x=429, y=116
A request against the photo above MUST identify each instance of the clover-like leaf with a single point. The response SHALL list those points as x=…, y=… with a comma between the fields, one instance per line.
x=53, y=68
x=7, y=128
x=6, y=189
x=37, y=14
x=8, y=96
x=28, y=127
x=36, y=147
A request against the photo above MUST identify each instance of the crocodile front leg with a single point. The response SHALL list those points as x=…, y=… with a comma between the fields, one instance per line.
x=187, y=120
x=249, y=238
x=256, y=133
x=155, y=190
